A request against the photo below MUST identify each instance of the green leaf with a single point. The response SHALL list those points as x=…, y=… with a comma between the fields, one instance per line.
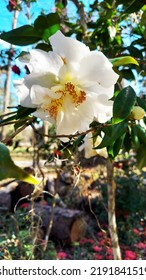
x=135, y=52
x=123, y=60
x=50, y=31
x=127, y=74
x=22, y=36
x=141, y=102
x=134, y=137
x=24, y=112
x=47, y=25
x=46, y=21
x=141, y=156
x=141, y=132
x=44, y=47
x=127, y=141
x=79, y=141
x=123, y=104
x=19, y=123
x=143, y=19
x=7, y=120
x=134, y=6
x=8, y=169
x=112, y=133
x=114, y=149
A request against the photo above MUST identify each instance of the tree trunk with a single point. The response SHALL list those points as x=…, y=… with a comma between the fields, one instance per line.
x=111, y=211
x=8, y=78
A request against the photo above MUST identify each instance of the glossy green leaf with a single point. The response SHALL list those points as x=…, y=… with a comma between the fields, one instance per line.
x=134, y=137
x=141, y=156
x=114, y=149
x=47, y=25
x=50, y=31
x=21, y=36
x=135, y=52
x=123, y=104
x=8, y=169
x=134, y=6
x=112, y=133
x=123, y=60
x=46, y=21
x=141, y=132
x=127, y=141
x=127, y=74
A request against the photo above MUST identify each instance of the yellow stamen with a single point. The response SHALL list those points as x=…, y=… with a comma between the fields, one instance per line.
x=68, y=89
x=64, y=60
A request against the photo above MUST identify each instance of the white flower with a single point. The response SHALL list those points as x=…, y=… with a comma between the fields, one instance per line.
x=70, y=86
x=89, y=145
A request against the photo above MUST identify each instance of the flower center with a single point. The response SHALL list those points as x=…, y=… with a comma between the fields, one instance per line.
x=68, y=90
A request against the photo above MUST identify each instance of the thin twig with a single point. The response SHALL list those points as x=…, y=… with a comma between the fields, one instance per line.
x=68, y=135
x=50, y=224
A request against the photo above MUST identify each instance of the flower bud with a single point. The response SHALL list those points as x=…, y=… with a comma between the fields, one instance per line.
x=137, y=113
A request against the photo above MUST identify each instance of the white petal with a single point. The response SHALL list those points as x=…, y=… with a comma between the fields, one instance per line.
x=23, y=94
x=41, y=61
x=68, y=48
x=39, y=113
x=67, y=121
x=47, y=80
x=39, y=94
x=100, y=91
x=96, y=67
x=89, y=145
x=103, y=112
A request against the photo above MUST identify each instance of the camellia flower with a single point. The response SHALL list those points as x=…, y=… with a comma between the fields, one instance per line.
x=89, y=145
x=69, y=86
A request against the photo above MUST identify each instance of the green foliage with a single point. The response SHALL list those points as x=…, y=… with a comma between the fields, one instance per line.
x=123, y=104
x=17, y=240
x=44, y=27
x=10, y=170
x=113, y=138
x=141, y=156
x=124, y=60
x=47, y=25
x=22, y=36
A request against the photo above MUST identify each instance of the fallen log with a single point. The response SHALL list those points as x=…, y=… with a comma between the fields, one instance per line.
x=65, y=225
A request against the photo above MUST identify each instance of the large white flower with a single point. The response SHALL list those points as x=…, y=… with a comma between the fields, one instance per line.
x=69, y=86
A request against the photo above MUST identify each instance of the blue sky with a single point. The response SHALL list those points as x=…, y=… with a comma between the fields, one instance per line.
x=36, y=8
